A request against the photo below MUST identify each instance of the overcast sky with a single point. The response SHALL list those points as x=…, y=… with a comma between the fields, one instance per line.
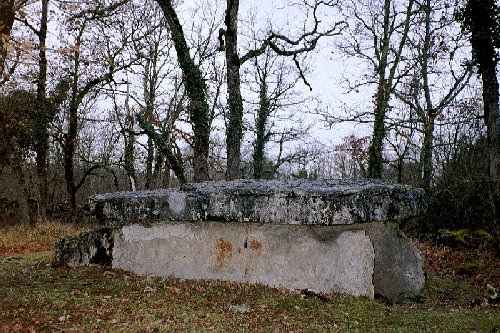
x=329, y=68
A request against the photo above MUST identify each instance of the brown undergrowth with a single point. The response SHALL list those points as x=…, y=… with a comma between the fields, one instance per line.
x=23, y=238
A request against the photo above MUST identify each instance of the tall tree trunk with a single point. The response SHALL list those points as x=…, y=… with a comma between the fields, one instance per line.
x=129, y=162
x=28, y=204
x=71, y=135
x=69, y=152
x=150, y=97
x=149, y=164
x=260, y=127
x=492, y=120
x=375, y=151
x=196, y=91
x=129, y=144
x=427, y=153
x=42, y=118
x=430, y=113
x=7, y=14
x=482, y=23
x=386, y=71
x=129, y=156
x=491, y=114
x=159, y=164
x=166, y=180
x=234, y=130
x=400, y=169
x=490, y=98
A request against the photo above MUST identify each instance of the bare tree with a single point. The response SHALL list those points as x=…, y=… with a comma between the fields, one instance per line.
x=154, y=51
x=196, y=90
x=43, y=113
x=280, y=44
x=126, y=121
x=276, y=82
x=378, y=35
x=83, y=83
x=424, y=96
x=351, y=157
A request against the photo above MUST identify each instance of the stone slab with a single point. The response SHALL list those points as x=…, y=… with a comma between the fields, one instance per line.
x=398, y=274
x=294, y=257
x=321, y=202
x=91, y=247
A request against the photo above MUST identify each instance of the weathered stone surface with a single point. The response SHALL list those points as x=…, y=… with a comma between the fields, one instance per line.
x=281, y=202
x=398, y=273
x=296, y=257
x=92, y=247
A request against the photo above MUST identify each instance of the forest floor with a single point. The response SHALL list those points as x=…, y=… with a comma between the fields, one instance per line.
x=34, y=297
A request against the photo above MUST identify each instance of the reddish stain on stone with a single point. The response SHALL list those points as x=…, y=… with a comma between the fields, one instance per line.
x=256, y=245
x=224, y=251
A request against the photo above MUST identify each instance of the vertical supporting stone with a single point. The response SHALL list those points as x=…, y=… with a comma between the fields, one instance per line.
x=93, y=247
x=293, y=257
x=398, y=273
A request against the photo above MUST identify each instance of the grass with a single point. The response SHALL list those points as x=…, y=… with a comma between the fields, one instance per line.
x=34, y=296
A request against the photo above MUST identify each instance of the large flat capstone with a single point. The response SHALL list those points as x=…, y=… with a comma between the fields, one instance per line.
x=321, y=202
x=327, y=236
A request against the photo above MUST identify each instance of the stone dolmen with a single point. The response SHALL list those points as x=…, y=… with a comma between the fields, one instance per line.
x=325, y=236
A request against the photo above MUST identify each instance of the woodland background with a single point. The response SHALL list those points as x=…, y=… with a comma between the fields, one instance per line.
x=114, y=95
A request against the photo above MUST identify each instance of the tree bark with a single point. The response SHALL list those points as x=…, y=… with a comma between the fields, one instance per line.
x=375, y=151
x=490, y=99
x=129, y=154
x=7, y=14
x=69, y=152
x=426, y=154
x=129, y=162
x=150, y=78
x=196, y=91
x=42, y=116
x=260, y=128
x=149, y=164
x=234, y=130
x=159, y=164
